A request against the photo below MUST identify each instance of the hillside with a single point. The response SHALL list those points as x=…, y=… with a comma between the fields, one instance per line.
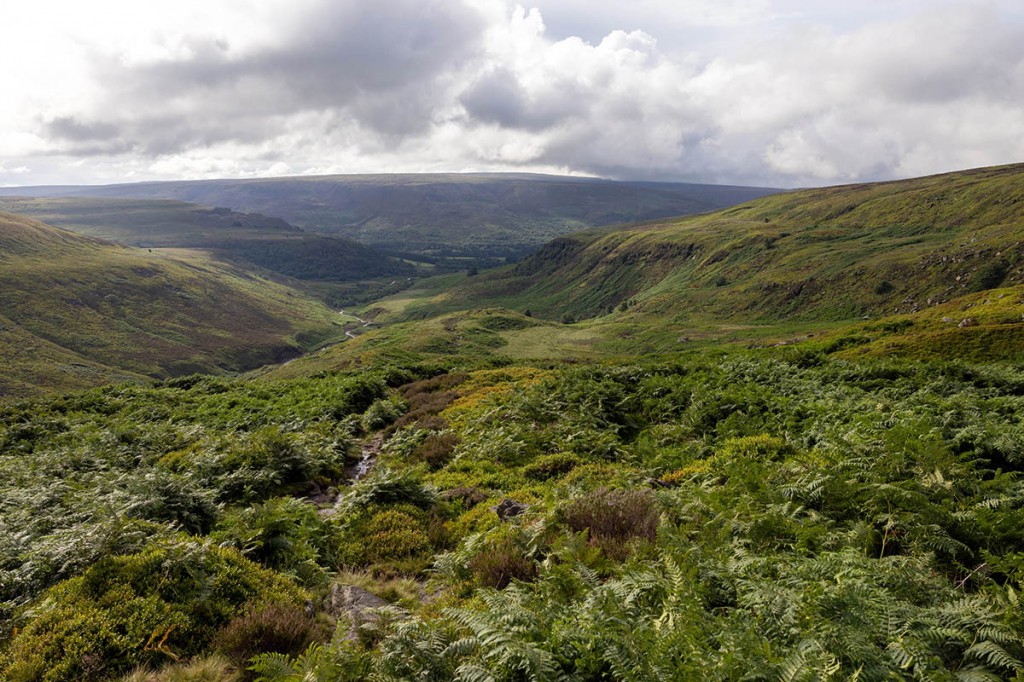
x=828, y=254
x=78, y=311
x=246, y=238
x=483, y=215
x=723, y=471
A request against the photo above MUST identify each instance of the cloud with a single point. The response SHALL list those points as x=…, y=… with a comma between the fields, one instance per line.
x=784, y=92
x=383, y=64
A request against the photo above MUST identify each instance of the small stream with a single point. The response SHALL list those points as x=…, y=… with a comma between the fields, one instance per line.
x=369, y=456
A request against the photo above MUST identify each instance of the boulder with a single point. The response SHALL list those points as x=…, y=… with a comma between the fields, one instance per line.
x=508, y=508
x=358, y=606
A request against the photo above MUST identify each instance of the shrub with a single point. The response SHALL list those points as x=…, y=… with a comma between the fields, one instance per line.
x=613, y=518
x=469, y=496
x=436, y=449
x=989, y=276
x=550, y=466
x=384, y=486
x=382, y=413
x=761, y=448
x=276, y=628
x=501, y=562
x=165, y=601
x=392, y=535
x=161, y=495
x=284, y=534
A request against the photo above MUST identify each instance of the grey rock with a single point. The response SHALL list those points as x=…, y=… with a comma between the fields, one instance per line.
x=508, y=508
x=358, y=606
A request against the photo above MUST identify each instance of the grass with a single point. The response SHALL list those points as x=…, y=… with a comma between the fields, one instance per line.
x=79, y=312
x=814, y=256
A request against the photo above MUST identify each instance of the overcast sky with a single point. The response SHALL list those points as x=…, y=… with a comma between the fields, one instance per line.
x=765, y=92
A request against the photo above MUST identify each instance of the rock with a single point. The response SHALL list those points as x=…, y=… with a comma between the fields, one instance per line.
x=507, y=508
x=358, y=606
x=948, y=320
x=967, y=322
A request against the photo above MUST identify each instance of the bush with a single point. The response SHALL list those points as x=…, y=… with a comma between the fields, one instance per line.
x=382, y=413
x=884, y=287
x=165, y=601
x=436, y=449
x=550, y=466
x=989, y=276
x=501, y=562
x=276, y=628
x=161, y=495
x=614, y=518
x=394, y=535
x=284, y=534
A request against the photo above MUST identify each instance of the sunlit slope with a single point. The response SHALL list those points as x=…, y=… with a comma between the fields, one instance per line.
x=94, y=311
x=815, y=255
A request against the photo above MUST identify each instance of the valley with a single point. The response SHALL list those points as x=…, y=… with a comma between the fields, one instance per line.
x=780, y=440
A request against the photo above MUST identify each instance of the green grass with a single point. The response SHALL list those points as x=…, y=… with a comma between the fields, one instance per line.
x=827, y=255
x=80, y=312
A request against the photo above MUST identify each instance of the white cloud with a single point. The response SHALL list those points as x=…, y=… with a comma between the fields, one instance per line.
x=778, y=92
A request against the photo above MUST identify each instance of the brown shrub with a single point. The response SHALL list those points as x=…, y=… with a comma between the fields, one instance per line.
x=501, y=563
x=432, y=422
x=433, y=384
x=428, y=397
x=436, y=449
x=276, y=628
x=613, y=518
x=469, y=496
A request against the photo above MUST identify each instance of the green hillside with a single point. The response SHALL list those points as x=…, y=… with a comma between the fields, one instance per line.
x=78, y=311
x=246, y=238
x=815, y=255
x=740, y=446
x=475, y=215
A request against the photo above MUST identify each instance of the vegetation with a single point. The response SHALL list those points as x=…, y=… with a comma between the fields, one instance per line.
x=816, y=515
x=242, y=238
x=488, y=495
x=821, y=255
x=79, y=312
x=465, y=218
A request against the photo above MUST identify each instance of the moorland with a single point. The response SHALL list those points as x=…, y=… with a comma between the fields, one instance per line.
x=776, y=441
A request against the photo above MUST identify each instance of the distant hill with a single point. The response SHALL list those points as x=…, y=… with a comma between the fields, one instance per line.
x=481, y=215
x=252, y=238
x=836, y=253
x=77, y=311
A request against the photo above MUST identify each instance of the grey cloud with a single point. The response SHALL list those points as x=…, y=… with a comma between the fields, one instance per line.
x=344, y=56
x=498, y=97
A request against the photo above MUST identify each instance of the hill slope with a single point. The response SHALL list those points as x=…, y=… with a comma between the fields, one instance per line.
x=816, y=255
x=250, y=238
x=481, y=215
x=78, y=311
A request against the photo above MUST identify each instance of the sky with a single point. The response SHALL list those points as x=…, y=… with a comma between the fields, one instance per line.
x=780, y=93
